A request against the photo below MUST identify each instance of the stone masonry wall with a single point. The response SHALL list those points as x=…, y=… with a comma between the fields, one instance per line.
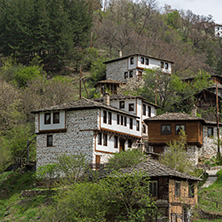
x=115, y=70
x=78, y=138
x=209, y=148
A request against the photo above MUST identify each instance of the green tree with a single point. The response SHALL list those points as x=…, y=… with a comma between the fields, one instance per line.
x=176, y=156
x=126, y=159
x=128, y=196
x=53, y=30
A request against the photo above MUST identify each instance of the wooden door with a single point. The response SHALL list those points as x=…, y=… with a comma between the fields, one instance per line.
x=97, y=162
x=122, y=144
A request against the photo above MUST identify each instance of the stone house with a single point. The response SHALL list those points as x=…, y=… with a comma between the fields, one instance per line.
x=175, y=193
x=201, y=135
x=96, y=129
x=132, y=66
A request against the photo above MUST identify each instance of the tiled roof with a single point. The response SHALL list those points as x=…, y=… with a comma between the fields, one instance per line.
x=82, y=104
x=122, y=97
x=155, y=169
x=125, y=57
x=174, y=116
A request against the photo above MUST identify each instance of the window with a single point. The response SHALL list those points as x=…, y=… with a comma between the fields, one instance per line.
x=142, y=60
x=122, y=120
x=177, y=189
x=125, y=121
x=49, y=140
x=166, y=65
x=115, y=141
x=153, y=189
x=191, y=189
x=138, y=125
x=149, y=111
x=110, y=118
x=210, y=131
x=131, y=123
x=122, y=104
x=144, y=129
x=179, y=128
x=162, y=65
x=131, y=74
x=147, y=61
x=104, y=117
x=47, y=118
x=104, y=139
x=125, y=75
x=166, y=129
x=99, y=138
x=131, y=106
x=117, y=119
x=131, y=60
x=129, y=143
x=144, y=109
x=56, y=117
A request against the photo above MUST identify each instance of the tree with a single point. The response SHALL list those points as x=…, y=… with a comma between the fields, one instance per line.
x=125, y=159
x=128, y=196
x=176, y=156
x=53, y=30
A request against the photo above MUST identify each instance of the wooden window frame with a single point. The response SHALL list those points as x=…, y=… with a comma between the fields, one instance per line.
x=131, y=60
x=162, y=132
x=147, y=61
x=122, y=104
x=116, y=142
x=177, y=131
x=190, y=189
x=104, y=116
x=153, y=188
x=137, y=125
x=99, y=136
x=125, y=75
x=49, y=142
x=142, y=60
x=212, y=132
x=131, y=123
x=47, y=122
x=149, y=111
x=144, y=109
x=117, y=119
x=109, y=118
x=131, y=107
x=177, y=190
x=161, y=65
x=166, y=65
x=56, y=120
x=105, y=139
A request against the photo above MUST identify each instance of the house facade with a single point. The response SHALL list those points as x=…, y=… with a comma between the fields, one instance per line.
x=201, y=135
x=174, y=193
x=96, y=129
x=132, y=66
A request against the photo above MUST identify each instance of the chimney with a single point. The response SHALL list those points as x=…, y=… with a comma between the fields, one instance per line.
x=194, y=111
x=106, y=99
x=120, y=53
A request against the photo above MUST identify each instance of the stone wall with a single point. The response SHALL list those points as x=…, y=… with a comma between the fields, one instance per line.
x=209, y=148
x=78, y=138
x=115, y=70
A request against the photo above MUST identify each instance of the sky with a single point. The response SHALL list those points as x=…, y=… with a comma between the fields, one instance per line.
x=198, y=7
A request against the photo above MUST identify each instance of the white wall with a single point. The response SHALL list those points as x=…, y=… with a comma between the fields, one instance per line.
x=58, y=126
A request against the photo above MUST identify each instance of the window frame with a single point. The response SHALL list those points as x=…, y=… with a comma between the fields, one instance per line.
x=131, y=74
x=177, y=131
x=47, y=122
x=166, y=65
x=137, y=125
x=153, y=188
x=144, y=109
x=131, y=60
x=105, y=139
x=125, y=75
x=131, y=123
x=142, y=60
x=162, y=132
x=191, y=189
x=162, y=65
x=149, y=111
x=212, y=131
x=109, y=118
x=144, y=129
x=122, y=121
x=49, y=143
x=104, y=116
x=99, y=142
x=116, y=142
x=125, y=121
x=147, y=61
x=122, y=104
x=131, y=107
x=56, y=121
x=117, y=119
x=177, y=189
